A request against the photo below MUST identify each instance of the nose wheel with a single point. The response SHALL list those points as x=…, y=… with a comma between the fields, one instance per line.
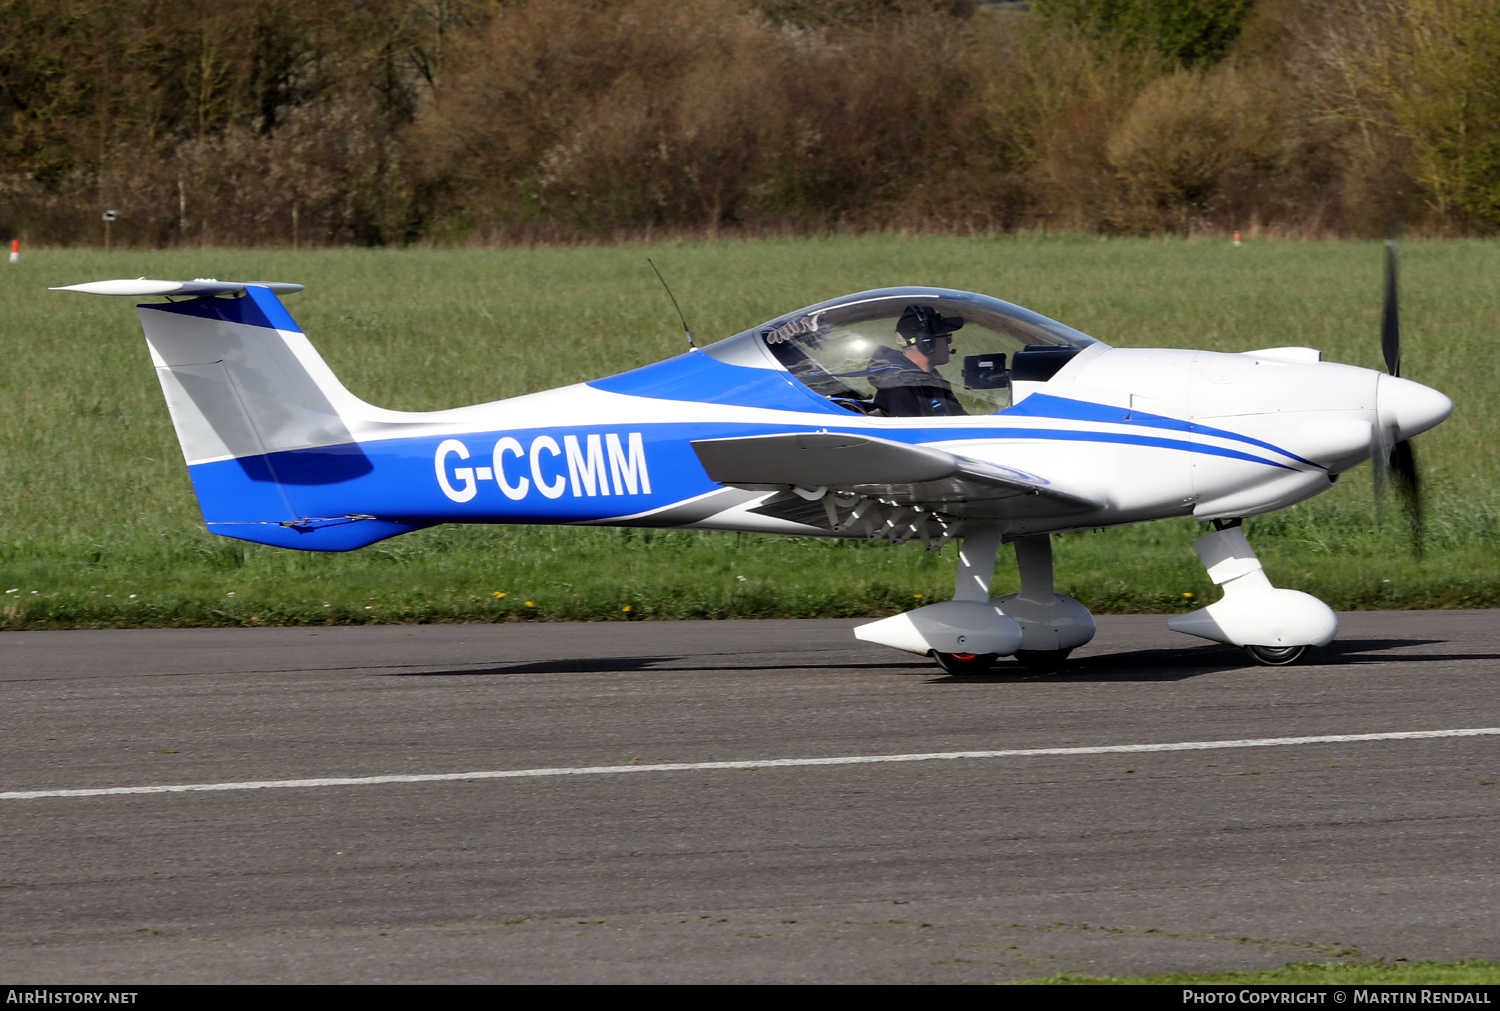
x=1276, y=656
x=965, y=663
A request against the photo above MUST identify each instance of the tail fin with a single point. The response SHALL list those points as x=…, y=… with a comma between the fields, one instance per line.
x=241, y=379
x=264, y=424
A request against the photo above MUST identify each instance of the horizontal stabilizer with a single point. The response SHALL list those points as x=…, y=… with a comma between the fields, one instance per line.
x=142, y=287
x=895, y=471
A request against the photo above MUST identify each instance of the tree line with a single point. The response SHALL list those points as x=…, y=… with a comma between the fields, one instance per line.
x=282, y=123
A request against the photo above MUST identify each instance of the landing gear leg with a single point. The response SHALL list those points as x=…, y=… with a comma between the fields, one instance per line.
x=964, y=634
x=1275, y=626
x=976, y=567
x=976, y=564
x=1052, y=625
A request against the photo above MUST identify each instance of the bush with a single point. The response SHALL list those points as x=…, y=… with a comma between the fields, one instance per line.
x=267, y=123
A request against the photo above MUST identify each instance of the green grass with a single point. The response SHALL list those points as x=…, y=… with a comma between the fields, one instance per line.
x=1467, y=972
x=95, y=504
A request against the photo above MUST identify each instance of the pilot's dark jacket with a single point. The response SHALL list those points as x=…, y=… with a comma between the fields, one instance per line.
x=902, y=390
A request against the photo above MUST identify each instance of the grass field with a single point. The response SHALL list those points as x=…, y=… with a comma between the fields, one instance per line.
x=1465, y=973
x=98, y=525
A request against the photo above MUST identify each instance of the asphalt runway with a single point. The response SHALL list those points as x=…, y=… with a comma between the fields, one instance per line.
x=944, y=870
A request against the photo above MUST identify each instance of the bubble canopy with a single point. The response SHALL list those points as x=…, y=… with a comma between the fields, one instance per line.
x=834, y=347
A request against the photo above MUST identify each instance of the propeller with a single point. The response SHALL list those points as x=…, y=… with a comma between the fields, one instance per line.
x=1395, y=460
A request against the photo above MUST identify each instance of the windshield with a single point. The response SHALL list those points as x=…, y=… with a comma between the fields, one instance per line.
x=915, y=351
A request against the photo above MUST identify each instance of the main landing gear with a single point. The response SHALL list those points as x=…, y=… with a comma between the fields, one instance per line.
x=968, y=634
x=1042, y=659
x=1052, y=625
x=1275, y=626
x=965, y=663
x=977, y=663
x=1040, y=627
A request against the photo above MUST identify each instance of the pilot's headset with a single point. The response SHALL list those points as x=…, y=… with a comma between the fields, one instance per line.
x=922, y=325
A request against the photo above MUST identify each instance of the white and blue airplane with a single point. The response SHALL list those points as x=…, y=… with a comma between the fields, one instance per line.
x=830, y=421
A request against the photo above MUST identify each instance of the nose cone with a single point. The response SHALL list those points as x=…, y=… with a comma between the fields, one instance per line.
x=1410, y=407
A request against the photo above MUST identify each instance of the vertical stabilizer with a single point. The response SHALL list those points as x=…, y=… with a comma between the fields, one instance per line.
x=252, y=403
x=242, y=380
x=264, y=424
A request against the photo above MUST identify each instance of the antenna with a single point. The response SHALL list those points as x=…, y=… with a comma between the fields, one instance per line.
x=685, y=331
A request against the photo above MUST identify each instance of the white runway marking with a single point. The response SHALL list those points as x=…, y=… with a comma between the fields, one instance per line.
x=773, y=763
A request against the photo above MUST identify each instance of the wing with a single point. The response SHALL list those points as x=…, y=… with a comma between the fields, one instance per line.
x=807, y=467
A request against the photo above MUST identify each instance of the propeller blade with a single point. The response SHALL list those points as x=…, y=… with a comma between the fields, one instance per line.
x=1380, y=470
x=1395, y=463
x=1390, y=320
x=1403, y=474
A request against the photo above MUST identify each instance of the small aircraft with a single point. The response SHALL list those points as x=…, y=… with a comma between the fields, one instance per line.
x=830, y=421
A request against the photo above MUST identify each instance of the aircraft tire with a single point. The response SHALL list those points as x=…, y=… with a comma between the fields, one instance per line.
x=1276, y=656
x=1042, y=659
x=965, y=663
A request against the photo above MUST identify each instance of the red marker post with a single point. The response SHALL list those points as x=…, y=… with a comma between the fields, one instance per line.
x=15, y=250
x=1236, y=237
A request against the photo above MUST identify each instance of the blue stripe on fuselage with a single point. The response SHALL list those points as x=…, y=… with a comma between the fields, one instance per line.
x=1123, y=438
x=588, y=471
x=254, y=498
x=698, y=378
x=1044, y=405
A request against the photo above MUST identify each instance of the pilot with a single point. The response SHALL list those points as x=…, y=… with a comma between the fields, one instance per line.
x=907, y=383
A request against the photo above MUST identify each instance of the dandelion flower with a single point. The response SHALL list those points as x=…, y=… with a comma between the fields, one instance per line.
x=530, y=604
x=1187, y=594
x=625, y=608
x=916, y=596
x=498, y=595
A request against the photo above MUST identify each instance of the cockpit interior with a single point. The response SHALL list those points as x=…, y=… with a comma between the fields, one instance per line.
x=838, y=348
